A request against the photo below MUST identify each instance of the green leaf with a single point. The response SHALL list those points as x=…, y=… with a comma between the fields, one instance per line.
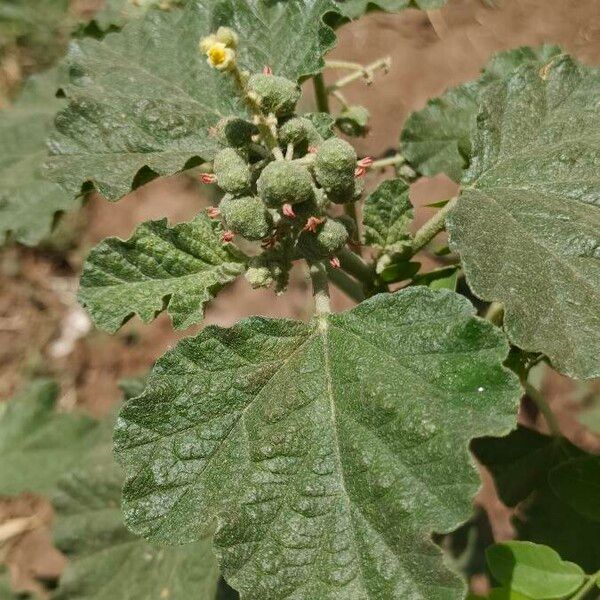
x=521, y=463
x=527, y=223
x=437, y=139
x=387, y=216
x=327, y=451
x=506, y=594
x=352, y=9
x=179, y=268
x=534, y=570
x=28, y=201
x=117, y=13
x=577, y=483
x=133, y=386
x=37, y=443
x=400, y=270
x=168, y=97
x=438, y=279
x=107, y=561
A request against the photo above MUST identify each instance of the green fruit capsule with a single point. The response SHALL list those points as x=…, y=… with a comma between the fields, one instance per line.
x=354, y=120
x=284, y=182
x=299, y=130
x=235, y=132
x=232, y=172
x=246, y=216
x=331, y=236
x=277, y=95
x=335, y=163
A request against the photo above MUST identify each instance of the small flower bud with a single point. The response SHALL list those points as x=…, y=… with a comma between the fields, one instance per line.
x=313, y=223
x=213, y=212
x=267, y=70
x=228, y=36
x=227, y=236
x=335, y=262
x=288, y=210
x=329, y=238
x=208, y=178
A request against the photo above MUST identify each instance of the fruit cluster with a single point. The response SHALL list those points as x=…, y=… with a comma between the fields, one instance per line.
x=279, y=175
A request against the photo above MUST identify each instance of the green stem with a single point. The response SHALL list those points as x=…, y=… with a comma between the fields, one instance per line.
x=591, y=582
x=349, y=286
x=356, y=266
x=320, y=283
x=543, y=407
x=495, y=313
x=432, y=227
x=366, y=73
x=398, y=159
x=321, y=93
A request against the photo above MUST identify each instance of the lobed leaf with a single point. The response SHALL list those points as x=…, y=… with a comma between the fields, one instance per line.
x=522, y=464
x=387, y=215
x=106, y=560
x=527, y=223
x=327, y=451
x=437, y=138
x=142, y=101
x=352, y=9
x=176, y=268
x=37, y=443
x=534, y=570
x=28, y=200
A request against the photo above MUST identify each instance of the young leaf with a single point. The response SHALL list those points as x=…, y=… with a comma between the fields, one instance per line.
x=37, y=443
x=521, y=463
x=527, y=223
x=179, y=268
x=328, y=452
x=352, y=9
x=106, y=560
x=387, y=215
x=28, y=201
x=168, y=97
x=577, y=483
x=534, y=570
x=437, y=139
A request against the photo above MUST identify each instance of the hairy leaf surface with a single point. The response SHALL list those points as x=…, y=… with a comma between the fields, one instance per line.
x=144, y=99
x=327, y=451
x=522, y=464
x=28, y=200
x=527, y=223
x=179, y=268
x=353, y=9
x=437, y=139
x=106, y=561
x=117, y=13
x=37, y=443
x=387, y=215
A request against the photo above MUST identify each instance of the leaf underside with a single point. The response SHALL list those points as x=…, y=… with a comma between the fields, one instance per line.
x=437, y=139
x=168, y=97
x=179, y=268
x=37, y=443
x=327, y=452
x=28, y=200
x=527, y=223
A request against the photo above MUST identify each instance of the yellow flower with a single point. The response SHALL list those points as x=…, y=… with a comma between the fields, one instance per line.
x=207, y=42
x=220, y=56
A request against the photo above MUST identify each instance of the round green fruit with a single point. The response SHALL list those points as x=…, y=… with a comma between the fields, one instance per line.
x=334, y=166
x=277, y=95
x=298, y=130
x=235, y=132
x=330, y=237
x=247, y=216
x=284, y=182
x=232, y=172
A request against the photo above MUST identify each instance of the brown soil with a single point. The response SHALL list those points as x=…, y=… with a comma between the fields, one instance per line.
x=43, y=330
